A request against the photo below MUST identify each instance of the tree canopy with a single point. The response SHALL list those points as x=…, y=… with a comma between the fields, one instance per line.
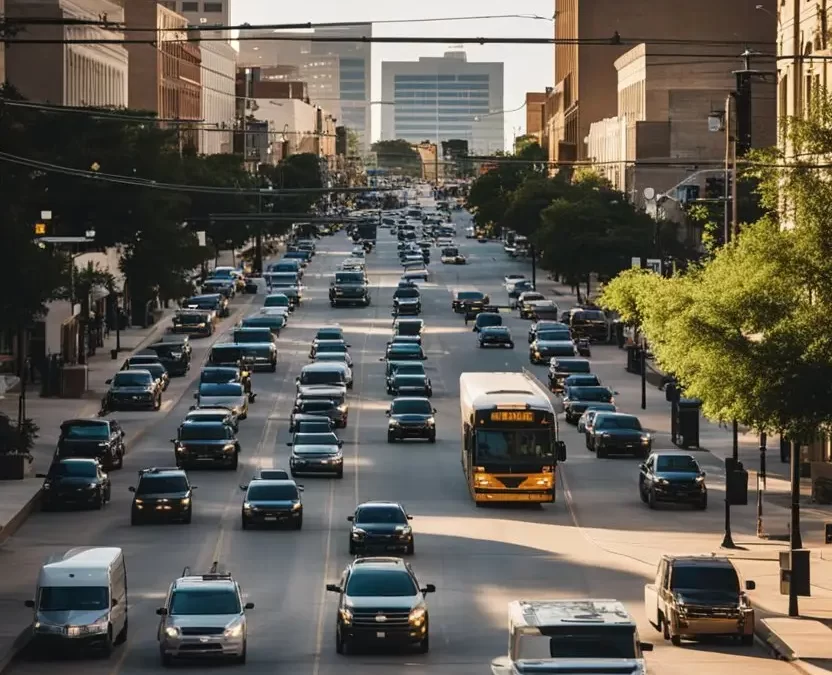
x=398, y=155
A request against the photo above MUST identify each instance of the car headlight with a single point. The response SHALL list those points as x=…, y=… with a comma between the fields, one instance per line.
x=91, y=486
x=645, y=438
x=394, y=423
x=99, y=626
x=358, y=533
x=346, y=615
x=47, y=486
x=172, y=632
x=200, y=325
x=138, y=501
x=234, y=630
x=404, y=531
x=417, y=615
x=247, y=506
x=700, y=479
x=431, y=421
x=342, y=407
x=662, y=481
x=296, y=506
x=185, y=501
x=229, y=448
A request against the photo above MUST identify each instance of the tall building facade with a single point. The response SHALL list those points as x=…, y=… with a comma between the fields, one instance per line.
x=165, y=76
x=338, y=73
x=536, y=114
x=218, y=63
x=91, y=74
x=444, y=98
x=204, y=13
x=586, y=88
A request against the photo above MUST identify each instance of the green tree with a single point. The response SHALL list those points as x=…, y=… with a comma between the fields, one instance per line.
x=629, y=294
x=81, y=283
x=399, y=155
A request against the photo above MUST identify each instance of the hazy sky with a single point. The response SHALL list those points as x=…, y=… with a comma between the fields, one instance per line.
x=527, y=67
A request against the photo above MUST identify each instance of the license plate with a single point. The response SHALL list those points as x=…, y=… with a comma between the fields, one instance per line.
x=271, y=517
x=381, y=635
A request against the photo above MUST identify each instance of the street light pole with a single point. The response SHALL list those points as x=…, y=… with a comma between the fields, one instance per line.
x=730, y=150
x=795, y=540
x=643, y=359
x=761, y=483
x=730, y=467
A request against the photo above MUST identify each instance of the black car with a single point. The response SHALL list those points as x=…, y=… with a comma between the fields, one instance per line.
x=131, y=389
x=381, y=526
x=224, y=375
x=495, y=336
x=413, y=327
x=373, y=587
x=274, y=322
x=583, y=380
x=215, y=302
x=75, y=482
x=487, y=320
x=98, y=439
x=225, y=287
x=672, y=477
x=223, y=415
x=176, y=361
x=182, y=342
x=551, y=344
x=411, y=417
x=349, y=288
x=404, y=352
x=274, y=474
x=199, y=443
x=194, y=322
x=248, y=335
x=272, y=502
x=256, y=355
x=330, y=333
x=315, y=408
x=163, y=494
x=410, y=385
x=407, y=301
x=577, y=399
x=561, y=368
x=463, y=300
x=316, y=453
x=150, y=364
x=313, y=425
x=541, y=326
x=589, y=323
x=618, y=433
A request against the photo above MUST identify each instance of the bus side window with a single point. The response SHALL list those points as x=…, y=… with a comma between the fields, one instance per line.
x=467, y=436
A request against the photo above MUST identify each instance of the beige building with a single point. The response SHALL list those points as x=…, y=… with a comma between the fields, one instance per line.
x=218, y=63
x=536, y=115
x=87, y=74
x=659, y=135
x=585, y=76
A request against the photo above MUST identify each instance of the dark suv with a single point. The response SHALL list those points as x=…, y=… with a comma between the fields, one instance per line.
x=381, y=603
x=411, y=418
x=163, y=494
x=94, y=439
x=200, y=443
x=381, y=525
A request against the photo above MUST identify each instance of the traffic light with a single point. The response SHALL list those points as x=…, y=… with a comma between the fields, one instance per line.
x=715, y=187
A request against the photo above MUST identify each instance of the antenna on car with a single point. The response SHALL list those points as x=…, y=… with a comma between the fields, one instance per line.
x=186, y=572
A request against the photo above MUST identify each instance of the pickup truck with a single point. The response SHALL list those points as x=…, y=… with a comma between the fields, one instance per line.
x=695, y=596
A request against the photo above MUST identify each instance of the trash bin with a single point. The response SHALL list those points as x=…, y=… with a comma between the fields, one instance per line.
x=687, y=422
x=633, y=359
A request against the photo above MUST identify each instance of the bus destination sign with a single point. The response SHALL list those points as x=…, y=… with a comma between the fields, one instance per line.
x=512, y=416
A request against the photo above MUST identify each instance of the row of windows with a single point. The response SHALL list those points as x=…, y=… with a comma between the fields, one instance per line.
x=442, y=78
x=405, y=119
x=215, y=7
x=352, y=63
x=441, y=86
x=353, y=96
x=443, y=96
x=353, y=86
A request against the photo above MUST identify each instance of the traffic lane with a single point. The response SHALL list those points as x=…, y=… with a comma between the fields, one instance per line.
x=155, y=554
x=590, y=487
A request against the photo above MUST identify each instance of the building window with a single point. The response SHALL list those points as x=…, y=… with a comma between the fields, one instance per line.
x=190, y=6
x=212, y=7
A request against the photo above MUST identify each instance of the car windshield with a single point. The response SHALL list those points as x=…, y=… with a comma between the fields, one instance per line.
x=321, y=377
x=276, y=493
x=167, y=351
x=554, y=335
x=202, y=303
x=616, y=422
x=229, y=389
x=191, y=319
x=268, y=321
x=313, y=427
x=274, y=474
x=512, y=445
x=590, y=394
x=219, y=375
x=73, y=469
x=417, y=407
x=582, y=381
x=572, y=366
x=406, y=293
x=220, y=416
x=251, y=335
x=589, y=315
x=86, y=431
x=308, y=406
x=489, y=320
x=409, y=369
x=681, y=463
x=331, y=347
x=408, y=328
x=276, y=301
x=470, y=295
x=380, y=514
x=581, y=642
x=380, y=583
x=203, y=432
x=329, y=334
x=205, y=601
x=316, y=439
x=349, y=278
x=149, y=485
x=705, y=578
x=226, y=354
x=528, y=297
x=155, y=369
x=410, y=380
x=132, y=379
x=68, y=598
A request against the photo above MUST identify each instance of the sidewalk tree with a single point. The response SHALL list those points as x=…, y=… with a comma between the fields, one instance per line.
x=17, y=438
x=400, y=155
x=629, y=293
x=81, y=283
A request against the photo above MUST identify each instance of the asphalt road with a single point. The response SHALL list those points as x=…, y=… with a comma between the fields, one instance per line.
x=479, y=559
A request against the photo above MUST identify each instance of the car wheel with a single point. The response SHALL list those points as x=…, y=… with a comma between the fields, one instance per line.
x=432, y=439
x=273, y=368
x=601, y=453
x=391, y=438
x=747, y=640
x=234, y=462
x=167, y=660
x=134, y=519
x=340, y=474
x=157, y=404
x=99, y=501
x=299, y=523
x=703, y=503
x=353, y=550
x=651, y=498
x=424, y=645
x=241, y=659
x=187, y=519
x=244, y=523
x=411, y=548
x=676, y=640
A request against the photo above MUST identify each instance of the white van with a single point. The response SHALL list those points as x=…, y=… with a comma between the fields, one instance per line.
x=81, y=599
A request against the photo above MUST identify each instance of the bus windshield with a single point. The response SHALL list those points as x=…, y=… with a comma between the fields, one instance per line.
x=512, y=445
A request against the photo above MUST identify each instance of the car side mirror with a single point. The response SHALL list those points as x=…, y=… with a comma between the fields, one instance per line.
x=162, y=611
x=560, y=451
x=750, y=586
x=430, y=588
x=249, y=605
x=703, y=474
x=252, y=397
x=351, y=518
x=29, y=603
x=173, y=440
x=642, y=467
x=410, y=517
x=289, y=445
x=297, y=380
x=110, y=381
x=340, y=444
x=196, y=396
x=244, y=486
x=114, y=602
x=193, y=407
x=615, y=393
x=424, y=357
x=645, y=646
x=131, y=489
x=40, y=475
x=333, y=588
x=387, y=412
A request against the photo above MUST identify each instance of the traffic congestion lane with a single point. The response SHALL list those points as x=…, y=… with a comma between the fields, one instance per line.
x=478, y=558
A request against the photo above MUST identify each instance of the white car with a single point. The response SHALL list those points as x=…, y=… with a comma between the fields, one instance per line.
x=358, y=253
x=511, y=278
x=352, y=264
x=412, y=273
x=275, y=311
x=444, y=242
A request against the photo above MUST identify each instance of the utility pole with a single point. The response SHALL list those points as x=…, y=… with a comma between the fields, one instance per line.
x=761, y=484
x=730, y=152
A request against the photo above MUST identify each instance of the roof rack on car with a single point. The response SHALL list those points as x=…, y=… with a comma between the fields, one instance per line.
x=215, y=573
x=158, y=469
